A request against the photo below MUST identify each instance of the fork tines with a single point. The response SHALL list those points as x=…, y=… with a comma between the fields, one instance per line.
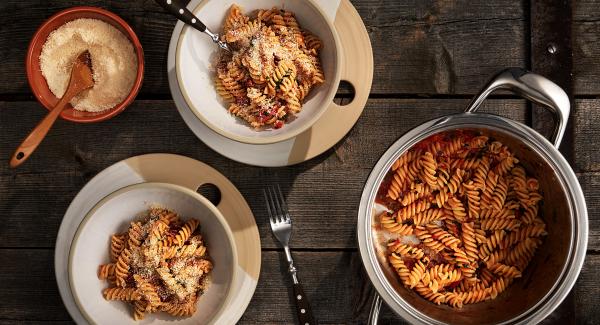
x=276, y=206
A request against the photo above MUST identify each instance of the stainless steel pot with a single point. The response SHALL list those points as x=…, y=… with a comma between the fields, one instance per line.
x=557, y=263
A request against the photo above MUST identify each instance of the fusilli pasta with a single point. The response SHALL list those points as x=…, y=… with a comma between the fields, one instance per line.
x=158, y=264
x=474, y=212
x=272, y=67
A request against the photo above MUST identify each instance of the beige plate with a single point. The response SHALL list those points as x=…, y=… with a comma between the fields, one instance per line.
x=173, y=169
x=334, y=124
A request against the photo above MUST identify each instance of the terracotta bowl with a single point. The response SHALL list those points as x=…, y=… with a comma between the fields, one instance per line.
x=37, y=82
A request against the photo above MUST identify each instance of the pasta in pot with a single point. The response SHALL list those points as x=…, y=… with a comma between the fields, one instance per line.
x=272, y=67
x=465, y=216
x=158, y=264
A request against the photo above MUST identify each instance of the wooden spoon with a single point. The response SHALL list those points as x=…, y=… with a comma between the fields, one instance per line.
x=81, y=79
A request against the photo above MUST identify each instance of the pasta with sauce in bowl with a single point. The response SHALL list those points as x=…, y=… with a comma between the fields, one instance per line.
x=272, y=68
x=463, y=218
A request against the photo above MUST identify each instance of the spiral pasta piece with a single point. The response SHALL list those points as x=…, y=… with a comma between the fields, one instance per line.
x=136, y=234
x=148, y=292
x=140, y=307
x=453, y=146
x=179, y=310
x=456, y=180
x=425, y=237
x=497, y=224
x=106, y=271
x=521, y=234
x=234, y=19
x=125, y=294
x=428, y=216
x=469, y=242
x=406, y=250
x=443, y=236
x=472, y=194
x=499, y=195
x=481, y=173
x=118, y=243
x=458, y=209
x=431, y=295
x=416, y=274
x=506, y=165
x=186, y=231
x=465, y=164
x=429, y=166
x=417, y=192
x=495, y=240
x=401, y=269
x=505, y=270
x=389, y=223
x=122, y=267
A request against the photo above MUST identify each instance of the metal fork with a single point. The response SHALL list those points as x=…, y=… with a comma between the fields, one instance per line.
x=281, y=225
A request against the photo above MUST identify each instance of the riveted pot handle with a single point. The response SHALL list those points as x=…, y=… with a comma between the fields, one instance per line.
x=535, y=88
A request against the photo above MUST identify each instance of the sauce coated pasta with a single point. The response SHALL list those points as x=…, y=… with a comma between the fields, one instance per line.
x=273, y=66
x=158, y=264
x=465, y=216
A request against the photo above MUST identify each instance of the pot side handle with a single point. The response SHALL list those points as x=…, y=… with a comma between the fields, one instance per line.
x=535, y=88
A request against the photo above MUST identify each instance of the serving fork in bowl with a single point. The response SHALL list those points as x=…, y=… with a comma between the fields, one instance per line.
x=281, y=225
x=179, y=11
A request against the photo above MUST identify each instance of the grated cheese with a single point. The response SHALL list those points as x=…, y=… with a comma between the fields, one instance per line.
x=114, y=62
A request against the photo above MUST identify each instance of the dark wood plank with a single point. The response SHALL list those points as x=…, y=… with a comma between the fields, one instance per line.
x=443, y=47
x=587, y=292
x=332, y=281
x=586, y=47
x=29, y=290
x=590, y=183
x=552, y=57
x=42, y=188
x=420, y=47
x=586, y=121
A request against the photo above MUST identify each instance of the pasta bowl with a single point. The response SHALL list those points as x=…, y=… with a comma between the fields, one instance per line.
x=555, y=266
x=195, y=68
x=112, y=215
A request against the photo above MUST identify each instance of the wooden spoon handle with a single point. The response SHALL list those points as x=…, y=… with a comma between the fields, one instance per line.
x=36, y=135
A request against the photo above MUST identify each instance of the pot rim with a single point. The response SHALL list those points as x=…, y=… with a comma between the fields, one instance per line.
x=529, y=137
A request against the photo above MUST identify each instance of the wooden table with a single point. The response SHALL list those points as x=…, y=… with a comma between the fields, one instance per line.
x=430, y=58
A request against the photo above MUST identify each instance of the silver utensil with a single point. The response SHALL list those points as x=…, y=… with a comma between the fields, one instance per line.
x=375, y=309
x=175, y=8
x=281, y=225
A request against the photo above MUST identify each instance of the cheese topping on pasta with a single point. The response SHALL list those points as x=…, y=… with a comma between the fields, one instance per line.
x=160, y=264
x=465, y=217
x=273, y=66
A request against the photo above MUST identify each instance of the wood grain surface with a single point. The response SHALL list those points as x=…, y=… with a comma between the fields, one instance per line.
x=430, y=57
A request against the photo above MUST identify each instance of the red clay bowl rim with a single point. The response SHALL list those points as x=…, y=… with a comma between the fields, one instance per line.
x=102, y=116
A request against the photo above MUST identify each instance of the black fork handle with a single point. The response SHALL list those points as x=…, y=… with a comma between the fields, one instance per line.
x=175, y=8
x=305, y=315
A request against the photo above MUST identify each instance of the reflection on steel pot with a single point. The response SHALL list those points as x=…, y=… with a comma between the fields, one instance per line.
x=557, y=263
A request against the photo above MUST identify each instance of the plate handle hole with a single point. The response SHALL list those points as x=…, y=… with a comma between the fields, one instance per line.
x=211, y=192
x=345, y=93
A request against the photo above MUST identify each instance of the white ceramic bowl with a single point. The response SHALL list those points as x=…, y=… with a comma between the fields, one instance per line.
x=194, y=64
x=113, y=215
